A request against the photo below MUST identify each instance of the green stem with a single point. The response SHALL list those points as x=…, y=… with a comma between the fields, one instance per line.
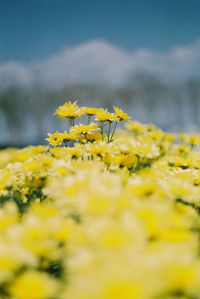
x=101, y=125
x=65, y=142
x=72, y=121
x=69, y=122
x=89, y=117
x=109, y=127
x=111, y=138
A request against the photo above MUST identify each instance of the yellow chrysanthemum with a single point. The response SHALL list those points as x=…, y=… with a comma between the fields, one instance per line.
x=70, y=110
x=121, y=114
x=69, y=136
x=89, y=111
x=190, y=139
x=135, y=127
x=32, y=285
x=98, y=149
x=104, y=115
x=83, y=129
x=93, y=136
x=55, y=139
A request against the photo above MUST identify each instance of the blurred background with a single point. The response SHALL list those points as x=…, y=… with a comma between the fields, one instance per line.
x=141, y=55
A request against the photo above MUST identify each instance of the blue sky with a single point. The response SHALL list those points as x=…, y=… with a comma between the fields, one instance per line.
x=32, y=30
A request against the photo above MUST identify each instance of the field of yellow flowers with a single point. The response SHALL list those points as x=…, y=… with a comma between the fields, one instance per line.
x=101, y=213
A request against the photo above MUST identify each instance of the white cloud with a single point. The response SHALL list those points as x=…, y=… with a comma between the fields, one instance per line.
x=96, y=61
x=102, y=62
x=12, y=73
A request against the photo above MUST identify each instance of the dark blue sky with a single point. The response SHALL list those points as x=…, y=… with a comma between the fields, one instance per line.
x=34, y=29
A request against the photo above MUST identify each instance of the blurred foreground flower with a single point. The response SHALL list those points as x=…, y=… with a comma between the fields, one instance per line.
x=101, y=213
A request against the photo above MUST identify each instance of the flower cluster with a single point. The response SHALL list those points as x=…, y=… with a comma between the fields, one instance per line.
x=90, y=131
x=107, y=217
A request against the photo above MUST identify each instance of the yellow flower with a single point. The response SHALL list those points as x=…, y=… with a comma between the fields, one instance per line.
x=104, y=115
x=150, y=127
x=114, y=236
x=145, y=189
x=89, y=111
x=122, y=289
x=70, y=110
x=55, y=139
x=31, y=165
x=39, y=149
x=83, y=129
x=157, y=134
x=129, y=161
x=170, y=137
x=135, y=126
x=121, y=114
x=69, y=136
x=182, y=149
x=34, y=285
x=74, y=152
x=93, y=136
x=62, y=152
x=183, y=277
x=98, y=149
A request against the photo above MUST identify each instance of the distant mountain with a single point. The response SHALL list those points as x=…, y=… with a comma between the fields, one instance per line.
x=100, y=62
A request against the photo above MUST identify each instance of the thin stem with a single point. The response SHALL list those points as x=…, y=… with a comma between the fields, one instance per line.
x=89, y=117
x=101, y=125
x=72, y=121
x=109, y=127
x=65, y=142
x=111, y=138
x=69, y=122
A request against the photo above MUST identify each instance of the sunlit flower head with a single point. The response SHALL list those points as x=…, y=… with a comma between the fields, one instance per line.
x=121, y=114
x=89, y=111
x=70, y=110
x=103, y=115
x=69, y=136
x=55, y=138
x=83, y=129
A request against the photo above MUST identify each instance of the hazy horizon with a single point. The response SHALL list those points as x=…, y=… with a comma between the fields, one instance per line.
x=98, y=61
